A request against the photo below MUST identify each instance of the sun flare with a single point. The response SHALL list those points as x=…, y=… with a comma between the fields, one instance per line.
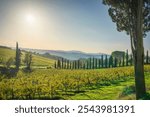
x=30, y=18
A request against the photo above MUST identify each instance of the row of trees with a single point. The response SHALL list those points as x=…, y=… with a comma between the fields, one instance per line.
x=104, y=61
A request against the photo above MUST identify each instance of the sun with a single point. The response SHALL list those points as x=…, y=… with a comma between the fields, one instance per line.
x=30, y=18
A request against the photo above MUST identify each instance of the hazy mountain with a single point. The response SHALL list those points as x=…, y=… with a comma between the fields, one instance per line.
x=71, y=55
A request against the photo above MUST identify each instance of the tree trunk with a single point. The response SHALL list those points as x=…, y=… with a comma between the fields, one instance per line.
x=139, y=54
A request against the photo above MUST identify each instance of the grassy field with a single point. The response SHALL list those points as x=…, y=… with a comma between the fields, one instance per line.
x=97, y=84
x=38, y=61
x=110, y=84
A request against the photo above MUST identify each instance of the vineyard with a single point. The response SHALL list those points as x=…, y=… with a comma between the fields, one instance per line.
x=61, y=83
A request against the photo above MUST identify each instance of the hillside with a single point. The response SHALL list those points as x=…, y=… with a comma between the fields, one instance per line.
x=6, y=53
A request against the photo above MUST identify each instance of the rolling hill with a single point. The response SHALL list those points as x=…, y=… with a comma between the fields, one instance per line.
x=6, y=53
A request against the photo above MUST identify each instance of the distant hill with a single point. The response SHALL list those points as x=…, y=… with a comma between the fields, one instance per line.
x=6, y=53
x=71, y=55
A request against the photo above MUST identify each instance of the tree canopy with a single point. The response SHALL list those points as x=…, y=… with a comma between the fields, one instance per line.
x=123, y=13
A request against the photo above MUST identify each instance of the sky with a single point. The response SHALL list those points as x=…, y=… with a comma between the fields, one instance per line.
x=82, y=25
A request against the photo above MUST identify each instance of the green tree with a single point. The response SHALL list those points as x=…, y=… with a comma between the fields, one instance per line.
x=93, y=65
x=28, y=60
x=18, y=57
x=147, y=57
x=96, y=63
x=90, y=62
x=133, y=16
x=115, y=62
x=110, y=61
x=102, y=61
x=58, y=64
x=131, y=60
x=62, y=63
x=55, y=65
x=99, y=63
x=123, y=58
x=106, y=61
x=87, y=64
x=127, y=58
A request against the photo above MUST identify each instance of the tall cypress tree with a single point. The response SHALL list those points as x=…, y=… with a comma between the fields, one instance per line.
x=18, y=56
x=87, y=64
x=111, y=61
x=70, y=65
x=55, y=65
x=106, y=61
x=147, y=57
x=93, y=65
x=102, y=61
x=127, y=58
x=131, y=60
x=78, y=64
x=58, y=64
x=67, y=64
x=75, y=64
x=123, y=60
x=115, y=62
x=99, y=63
x=90, y=63
x=62, y=63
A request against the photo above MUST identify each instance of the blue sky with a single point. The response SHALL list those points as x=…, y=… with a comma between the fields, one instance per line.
x=82, y=25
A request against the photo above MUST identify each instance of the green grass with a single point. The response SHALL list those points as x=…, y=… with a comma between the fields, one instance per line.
x=6, y=53
x=37, y=61
x=113, y=92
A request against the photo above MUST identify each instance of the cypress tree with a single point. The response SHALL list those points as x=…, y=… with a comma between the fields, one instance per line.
x=70, y=65
x=99, y=63
x=115, y=62
x=102, y=61
x=131, y=60
x=123, y=60
x=106, y=61
x=67, y=64
x=93, y=65
x=55, y=65
x=119, y=63
x=18, y=57
x=87, y=64
x=78, y=64
x=75, y=64
x=111, y=61
x=127, y=57
x=147, y=57
x=90, y=64
x=62, y=63
x=58, y=64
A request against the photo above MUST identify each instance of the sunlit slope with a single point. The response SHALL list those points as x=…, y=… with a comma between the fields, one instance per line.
x=6, y=53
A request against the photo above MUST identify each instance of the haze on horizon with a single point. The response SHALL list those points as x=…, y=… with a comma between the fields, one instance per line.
x=82, y=25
